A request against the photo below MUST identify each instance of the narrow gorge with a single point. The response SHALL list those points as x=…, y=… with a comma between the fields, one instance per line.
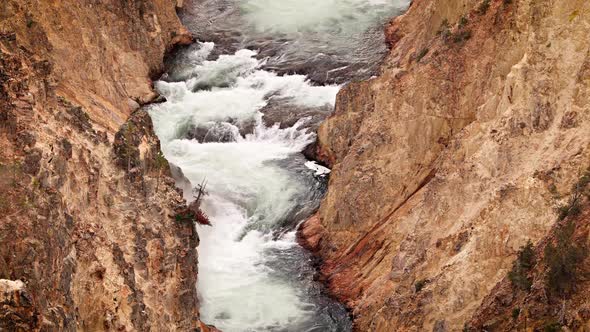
x=241, y=109
x=294, y=165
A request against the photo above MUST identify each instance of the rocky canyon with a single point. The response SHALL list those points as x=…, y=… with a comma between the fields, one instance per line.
x=459, y=152
x=458, y=194
x=88, y=235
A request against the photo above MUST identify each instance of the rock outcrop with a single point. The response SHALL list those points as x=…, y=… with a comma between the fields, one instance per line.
x=452, y=158
x=16, y=308
x=514, y=307
x=89, y=234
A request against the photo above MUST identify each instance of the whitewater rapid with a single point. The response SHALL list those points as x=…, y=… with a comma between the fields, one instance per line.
x=253, y=276
x=331, y=41
x=250, y=193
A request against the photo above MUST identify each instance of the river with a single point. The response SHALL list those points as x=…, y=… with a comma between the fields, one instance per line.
x=241, y=106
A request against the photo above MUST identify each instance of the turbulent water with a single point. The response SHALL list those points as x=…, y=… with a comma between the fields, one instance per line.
x=329, y=40
x=253, y=276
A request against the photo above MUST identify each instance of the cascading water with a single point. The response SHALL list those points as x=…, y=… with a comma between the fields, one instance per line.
x=215, y=125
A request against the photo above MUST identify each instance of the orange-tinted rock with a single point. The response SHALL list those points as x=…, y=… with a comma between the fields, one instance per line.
x=94, y=247
x=447, y=162
x=309, y=233
x=508, y=308
x=17, y=311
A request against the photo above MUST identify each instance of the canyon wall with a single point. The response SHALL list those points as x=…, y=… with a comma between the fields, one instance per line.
x=94, y=235
x=453, y=157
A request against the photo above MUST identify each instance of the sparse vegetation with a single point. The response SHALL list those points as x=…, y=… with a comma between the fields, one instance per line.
x=193, y=212
x=445, y=29
x=566, y=210
x=420, y=284
x=524, y=263
x=515, y=313
x=160, y=163
x=202, y=218
x=462, y=22
x=563, y=259
x=563, y=255
x=77, y=117
x=483, y=7
x=184, y=217
x=552, y=327
x=30, y=21
x=126, y=148
x=573, y=15
x=582, y=185
x=422, y=54
x=67, y=148
x=461, y=36
x=17, y=169
x=554, y=192
x=579, y=190
x=129, y=148
x=35, y=183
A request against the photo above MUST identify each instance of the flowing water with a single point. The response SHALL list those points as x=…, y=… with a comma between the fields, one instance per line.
x=214, y=125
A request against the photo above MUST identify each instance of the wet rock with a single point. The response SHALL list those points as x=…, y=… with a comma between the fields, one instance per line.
x=181, y=37
x=309, y=234
x=286, y=113
x=324, y=69
x=133, y=105
x=312, y=152
x=221, y=132
x=207, y=328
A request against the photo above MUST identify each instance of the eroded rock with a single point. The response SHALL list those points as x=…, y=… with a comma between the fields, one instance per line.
x=17, y=312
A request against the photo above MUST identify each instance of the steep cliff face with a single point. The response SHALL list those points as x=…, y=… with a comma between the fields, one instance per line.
x=448, y=161
x=102, y=52
x=89, y=229
x=537, y=304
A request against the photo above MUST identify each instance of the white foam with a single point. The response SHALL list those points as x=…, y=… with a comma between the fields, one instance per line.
x=248, y=90
x=319, y=169
x=248, y=192
x=237, y=291
x=335, y=16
